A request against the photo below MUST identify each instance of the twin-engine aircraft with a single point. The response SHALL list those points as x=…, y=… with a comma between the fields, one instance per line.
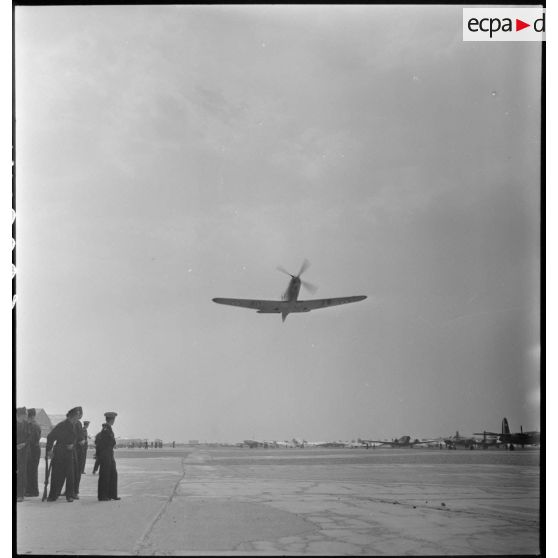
x=289, y=303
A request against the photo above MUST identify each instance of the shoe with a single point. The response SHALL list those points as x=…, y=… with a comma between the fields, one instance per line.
x=104, y=499
x=76, y=497
x=117, y=498
x=69, y=499
x=49, y=499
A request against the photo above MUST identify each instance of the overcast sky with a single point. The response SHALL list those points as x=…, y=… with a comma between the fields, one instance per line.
x=168, y=155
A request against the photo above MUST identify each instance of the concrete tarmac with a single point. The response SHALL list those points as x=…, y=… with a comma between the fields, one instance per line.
x=240, y=501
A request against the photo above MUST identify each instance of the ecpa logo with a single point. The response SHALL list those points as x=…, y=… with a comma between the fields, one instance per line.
x=504, y=24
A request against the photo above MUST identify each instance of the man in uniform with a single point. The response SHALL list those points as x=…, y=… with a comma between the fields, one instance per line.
x=33, y=454
x=63, y=438
x=96, y=456
x=22, y=447
x=108, y=477
x=78, y=449
x=84, y=446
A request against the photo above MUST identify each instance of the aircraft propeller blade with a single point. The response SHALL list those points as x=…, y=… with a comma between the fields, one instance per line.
x=283, y=270
x=305, y=265
x=309, y=287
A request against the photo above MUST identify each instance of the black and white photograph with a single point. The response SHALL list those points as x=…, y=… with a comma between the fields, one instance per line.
x=277, y=280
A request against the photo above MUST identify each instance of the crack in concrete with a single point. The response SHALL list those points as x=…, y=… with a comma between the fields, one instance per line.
x=143, y=545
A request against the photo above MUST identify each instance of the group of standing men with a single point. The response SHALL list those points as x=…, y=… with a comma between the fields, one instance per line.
x=28, y=435
x=66, y=448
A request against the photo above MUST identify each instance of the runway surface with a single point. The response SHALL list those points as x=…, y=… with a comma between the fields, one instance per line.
x=240, y=501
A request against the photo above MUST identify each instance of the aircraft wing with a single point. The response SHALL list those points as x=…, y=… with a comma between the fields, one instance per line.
x=279, y=306
x=267, y=306
x=307, y=305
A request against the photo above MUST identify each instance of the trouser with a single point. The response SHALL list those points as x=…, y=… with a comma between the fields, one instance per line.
x=108, y=477
x=32, y=484
x=77, y=470
x=62, y=471
x=21, y=472
x=82, y=458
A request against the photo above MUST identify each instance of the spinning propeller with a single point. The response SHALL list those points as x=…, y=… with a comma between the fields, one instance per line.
x=305, y=265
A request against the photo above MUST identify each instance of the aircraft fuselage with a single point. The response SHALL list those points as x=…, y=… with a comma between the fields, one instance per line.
x=291, y=294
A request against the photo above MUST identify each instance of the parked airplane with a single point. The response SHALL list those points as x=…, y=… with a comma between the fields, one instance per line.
x=487, y=440
x=260, y=443
x=523, y=438
x=307, y=444
x=338, y=444
x=357, y=444
x=289, y=302
x=253, y=443
x=403, y=442
x=453, y=441
x=284, y=444
x=267, y=444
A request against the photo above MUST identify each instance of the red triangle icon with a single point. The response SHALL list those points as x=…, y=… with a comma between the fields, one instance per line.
x=519, y=25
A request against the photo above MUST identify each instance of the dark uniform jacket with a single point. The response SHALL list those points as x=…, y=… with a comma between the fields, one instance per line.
x=78, y=455
x=63, y=463
x=34, y=435
x=108, y=476
x=22, y=433
x=79, y=432
x=64, y=435
x=22, y=437
x=105, y=441
x=33, y=458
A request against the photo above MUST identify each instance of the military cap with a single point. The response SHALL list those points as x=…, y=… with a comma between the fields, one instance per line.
x=31, y=412
x=21, y=411
x=110, y=414
x=72, y=413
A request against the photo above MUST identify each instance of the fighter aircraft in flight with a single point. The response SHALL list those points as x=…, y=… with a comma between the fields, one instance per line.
x=290, y=303
x=523, y=438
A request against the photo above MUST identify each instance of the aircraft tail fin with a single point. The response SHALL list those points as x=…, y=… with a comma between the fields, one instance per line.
x=505, y=426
